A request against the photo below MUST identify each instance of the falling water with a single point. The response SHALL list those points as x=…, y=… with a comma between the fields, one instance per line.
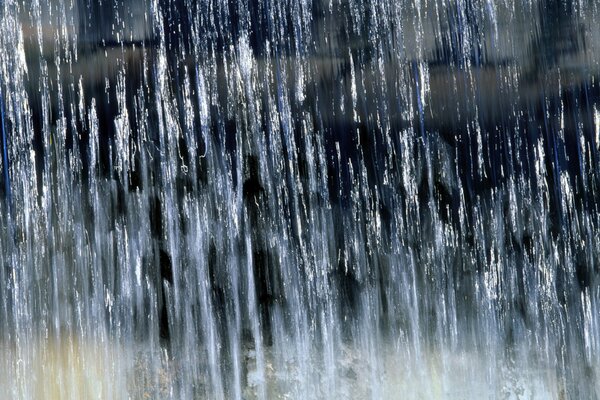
x=306, y=199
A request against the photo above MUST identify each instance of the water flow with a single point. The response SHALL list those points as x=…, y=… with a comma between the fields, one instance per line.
x=300, y=199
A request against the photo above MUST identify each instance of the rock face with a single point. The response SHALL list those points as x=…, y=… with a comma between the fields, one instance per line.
x=68, y=368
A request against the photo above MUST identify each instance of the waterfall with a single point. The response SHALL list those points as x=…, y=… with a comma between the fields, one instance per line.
x=300, y=199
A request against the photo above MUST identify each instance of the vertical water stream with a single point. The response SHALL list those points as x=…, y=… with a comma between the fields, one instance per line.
x=302, y=199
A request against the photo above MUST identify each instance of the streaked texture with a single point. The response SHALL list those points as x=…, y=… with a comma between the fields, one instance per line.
x=306, y=199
